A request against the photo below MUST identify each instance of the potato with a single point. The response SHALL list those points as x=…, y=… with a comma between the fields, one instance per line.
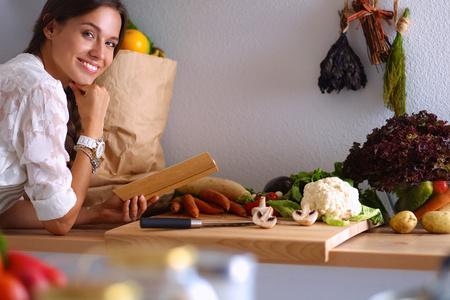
x=403, y=222
x=436, y=221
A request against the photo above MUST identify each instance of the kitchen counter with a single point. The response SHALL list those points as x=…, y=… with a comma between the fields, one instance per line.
x=382, y=248
x=89, y=239
x=376, y=248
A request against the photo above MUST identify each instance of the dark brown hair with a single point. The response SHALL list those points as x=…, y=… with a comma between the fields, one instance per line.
x=61, y=11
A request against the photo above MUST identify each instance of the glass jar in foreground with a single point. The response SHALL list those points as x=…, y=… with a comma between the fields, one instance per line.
x=134, y=273
x=166, y=273
x=118, y=291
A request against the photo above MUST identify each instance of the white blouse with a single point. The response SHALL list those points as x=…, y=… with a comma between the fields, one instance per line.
x=33, y=128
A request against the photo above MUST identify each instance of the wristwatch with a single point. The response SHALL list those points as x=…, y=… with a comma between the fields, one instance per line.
x=97, y=146
x=94, y=149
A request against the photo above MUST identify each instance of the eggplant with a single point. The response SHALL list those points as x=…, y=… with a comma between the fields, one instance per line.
x=281, y=183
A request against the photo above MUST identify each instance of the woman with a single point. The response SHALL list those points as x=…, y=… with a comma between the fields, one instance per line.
x=73, y=43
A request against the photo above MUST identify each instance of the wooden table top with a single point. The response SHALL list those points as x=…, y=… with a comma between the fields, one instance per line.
x=378, y=247
x=89, y=239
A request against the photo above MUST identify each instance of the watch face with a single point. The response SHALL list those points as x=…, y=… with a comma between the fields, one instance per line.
x=100, y=150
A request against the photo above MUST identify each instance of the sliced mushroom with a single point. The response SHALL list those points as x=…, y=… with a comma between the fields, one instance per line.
x=305, y=216
x=265, y=219
x=262, y=206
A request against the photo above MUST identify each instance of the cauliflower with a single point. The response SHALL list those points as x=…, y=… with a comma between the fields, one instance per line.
x=332, y=197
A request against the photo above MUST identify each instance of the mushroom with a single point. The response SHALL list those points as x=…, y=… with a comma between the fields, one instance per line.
x=265, y=219
x=262, y=206
x=305, y=216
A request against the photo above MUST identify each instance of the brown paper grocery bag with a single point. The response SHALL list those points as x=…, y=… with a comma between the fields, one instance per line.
x=140, y=88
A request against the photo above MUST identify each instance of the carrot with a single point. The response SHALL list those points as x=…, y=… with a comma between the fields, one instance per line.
x=206, y=208
x=433, y=204
x=176, y=205
x=237, y=209
x=214, y=205
x=190, y=206
x=215, y=197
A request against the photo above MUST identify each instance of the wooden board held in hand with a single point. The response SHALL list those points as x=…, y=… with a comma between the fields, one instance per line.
x=170, y=178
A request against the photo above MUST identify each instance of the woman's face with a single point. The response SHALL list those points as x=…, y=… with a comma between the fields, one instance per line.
x=83, y=47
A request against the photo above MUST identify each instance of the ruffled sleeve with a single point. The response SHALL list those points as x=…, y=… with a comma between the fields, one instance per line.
x=41, y=133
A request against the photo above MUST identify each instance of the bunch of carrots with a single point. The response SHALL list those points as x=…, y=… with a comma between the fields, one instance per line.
x=208, y=201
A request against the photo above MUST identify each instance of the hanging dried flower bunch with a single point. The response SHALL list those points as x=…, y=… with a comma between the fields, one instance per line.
x=341, y=67
x=370, y=20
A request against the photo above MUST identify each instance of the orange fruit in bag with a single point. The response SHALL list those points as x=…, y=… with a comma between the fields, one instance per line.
x=135, y=40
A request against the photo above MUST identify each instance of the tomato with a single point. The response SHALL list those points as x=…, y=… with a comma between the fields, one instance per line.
x=271, y=196
x=11, y=288
x=440, y=186
x=249, y=205
x=135, y=40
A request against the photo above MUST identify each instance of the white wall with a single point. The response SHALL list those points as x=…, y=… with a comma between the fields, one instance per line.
x=246, y=87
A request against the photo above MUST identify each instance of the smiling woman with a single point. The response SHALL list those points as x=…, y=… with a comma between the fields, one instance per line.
x=43, y=90
x=82, y=47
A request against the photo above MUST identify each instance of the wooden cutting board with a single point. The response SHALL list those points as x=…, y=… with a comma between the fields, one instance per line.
x=286, y=243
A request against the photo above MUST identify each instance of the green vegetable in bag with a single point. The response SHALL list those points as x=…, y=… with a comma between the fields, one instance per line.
x=415, y=197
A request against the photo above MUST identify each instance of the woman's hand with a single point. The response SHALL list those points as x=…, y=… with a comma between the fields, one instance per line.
x=92, y=101
x=115, y=210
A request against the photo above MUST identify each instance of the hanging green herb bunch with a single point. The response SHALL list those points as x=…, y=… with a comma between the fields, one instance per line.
x=394, y=93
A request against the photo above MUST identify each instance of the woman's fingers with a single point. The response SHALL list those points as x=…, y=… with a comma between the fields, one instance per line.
x=76, y=90
x=136, y=206
x=153, y=200
x=82, y=89
x=133, y=210
x=126, y=211
x=126, y=207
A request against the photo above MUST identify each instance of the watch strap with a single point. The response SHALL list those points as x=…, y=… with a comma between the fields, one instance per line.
x=87, y=142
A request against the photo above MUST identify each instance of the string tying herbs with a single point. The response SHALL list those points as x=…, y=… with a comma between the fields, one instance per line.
x=394, y=93
x=341, y=68
x=370, y=20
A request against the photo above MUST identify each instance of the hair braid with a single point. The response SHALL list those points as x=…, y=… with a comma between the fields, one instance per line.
x=73, y=126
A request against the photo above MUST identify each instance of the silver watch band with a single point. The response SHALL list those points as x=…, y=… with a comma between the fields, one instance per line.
x=87, y=142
